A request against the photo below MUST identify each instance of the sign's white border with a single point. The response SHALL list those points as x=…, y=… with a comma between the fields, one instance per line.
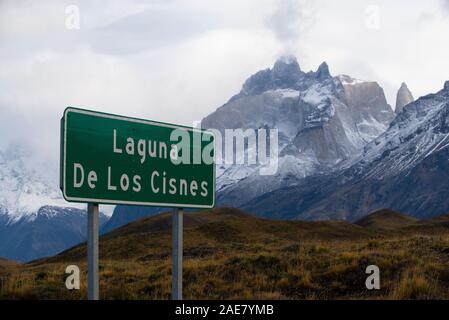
x=105, y=201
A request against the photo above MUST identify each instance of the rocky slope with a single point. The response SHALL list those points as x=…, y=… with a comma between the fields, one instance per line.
x=404, y=169
x=323, y=122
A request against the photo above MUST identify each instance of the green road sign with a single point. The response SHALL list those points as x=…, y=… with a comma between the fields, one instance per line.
x=113, y=159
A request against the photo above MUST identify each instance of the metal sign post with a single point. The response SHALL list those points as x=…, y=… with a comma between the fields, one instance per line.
x=177, y=228
x=92, y=251
x=136, y=162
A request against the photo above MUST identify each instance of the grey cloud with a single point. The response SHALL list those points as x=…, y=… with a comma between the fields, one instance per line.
x=152, y=28
x=445, y=4
x=290, y=20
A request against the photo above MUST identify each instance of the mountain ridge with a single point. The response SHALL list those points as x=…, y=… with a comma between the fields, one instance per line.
x=52, y=229
x=404, y=169
x=314, y=166
x=323, y=122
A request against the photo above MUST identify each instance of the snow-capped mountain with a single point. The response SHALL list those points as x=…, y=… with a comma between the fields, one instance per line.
x=23, y=191
x=323, y=122
x=35, y=221
x=343, y=152
x=421, y=129
x=52, y=230
x=406, y=169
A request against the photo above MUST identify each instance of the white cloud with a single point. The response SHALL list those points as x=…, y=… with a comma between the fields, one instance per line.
x=177, y=61
x=290, y=20
x=445, y=4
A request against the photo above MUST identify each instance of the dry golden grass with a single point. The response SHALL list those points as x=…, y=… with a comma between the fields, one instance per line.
x=249, y=258
x=415, y=284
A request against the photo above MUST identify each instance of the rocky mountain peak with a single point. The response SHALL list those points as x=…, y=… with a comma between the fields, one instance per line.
x=446, y=85
x=323, y=71
x=286, y=72
x=404, y=97
x=320, y=125
x=287, y=61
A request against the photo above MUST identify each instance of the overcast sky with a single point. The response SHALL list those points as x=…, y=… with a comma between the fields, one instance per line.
x=177, y=61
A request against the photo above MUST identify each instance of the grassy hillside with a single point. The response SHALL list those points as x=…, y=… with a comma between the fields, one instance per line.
x=232, y=255
x=5, y=264
x=387, y=219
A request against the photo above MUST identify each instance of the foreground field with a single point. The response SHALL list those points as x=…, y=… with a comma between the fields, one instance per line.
x=232, y=255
